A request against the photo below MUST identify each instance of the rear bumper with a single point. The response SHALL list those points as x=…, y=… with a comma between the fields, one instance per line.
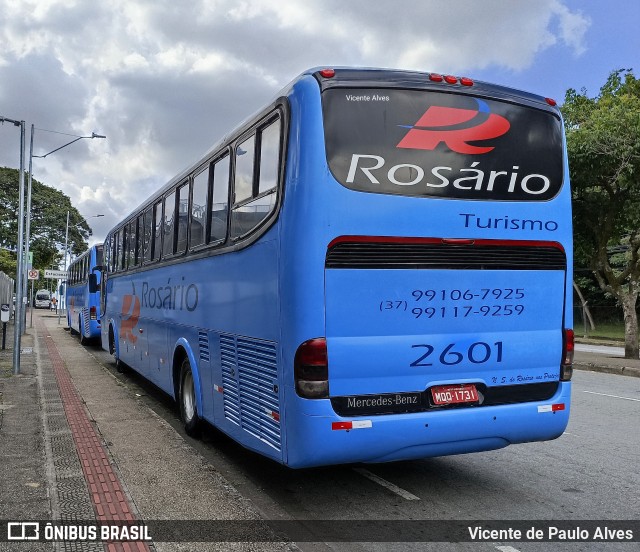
x=312, y=441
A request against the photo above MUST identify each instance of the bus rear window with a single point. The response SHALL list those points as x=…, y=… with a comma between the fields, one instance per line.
x=433, y=144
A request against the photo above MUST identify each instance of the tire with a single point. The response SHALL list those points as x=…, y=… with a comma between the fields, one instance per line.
x=120, y=367
x=187, y=401
x=83, y=339
x=72, y=330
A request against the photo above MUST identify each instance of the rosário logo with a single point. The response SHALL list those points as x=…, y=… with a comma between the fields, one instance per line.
x=455, y=128
x=130, y=314
x=430, y=169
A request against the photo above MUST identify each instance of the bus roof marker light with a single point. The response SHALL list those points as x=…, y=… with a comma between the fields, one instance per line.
x=551, y=102
x=435, y=77
x=466, y=81
x=328, y=73
x=450, y=79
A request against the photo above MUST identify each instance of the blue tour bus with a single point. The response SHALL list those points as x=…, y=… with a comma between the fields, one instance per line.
x=375, y=267
x=82, y=294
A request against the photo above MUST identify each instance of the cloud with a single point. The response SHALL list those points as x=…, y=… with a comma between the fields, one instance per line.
x=164, y=80
x=573, y=27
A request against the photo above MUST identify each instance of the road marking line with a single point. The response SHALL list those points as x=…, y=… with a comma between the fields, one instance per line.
x=387, y=484
x=507, y=549
x=613, y=396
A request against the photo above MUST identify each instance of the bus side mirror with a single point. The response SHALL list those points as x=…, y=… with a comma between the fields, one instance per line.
x=93, y=279
x=93, y=283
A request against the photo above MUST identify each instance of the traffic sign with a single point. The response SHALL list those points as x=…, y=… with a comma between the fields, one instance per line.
x=33, y=274
x=55, y=274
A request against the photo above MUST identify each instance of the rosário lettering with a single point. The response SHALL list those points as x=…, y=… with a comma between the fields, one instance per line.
x=170, y=297
x=474, y=178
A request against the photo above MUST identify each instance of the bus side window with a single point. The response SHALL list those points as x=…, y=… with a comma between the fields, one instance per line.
x=117, y=261
x=157, y=236
x=148, y=234
x=114, y=252
x=139, y=241
x=243, y=187
x=111, y=254
x=107, y=254
x=247, y=216
x=169, y=216
x=220, y=200
x=182, y=218
x=269, y=158
x=243, y=184
x=199, y=209
x=133, y=231
x=125, y=247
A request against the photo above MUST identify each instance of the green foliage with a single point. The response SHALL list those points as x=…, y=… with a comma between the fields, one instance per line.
x=603, y=141
x=48, y=223
x=8, y=263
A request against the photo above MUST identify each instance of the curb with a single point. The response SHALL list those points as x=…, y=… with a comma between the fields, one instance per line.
x=631, y=371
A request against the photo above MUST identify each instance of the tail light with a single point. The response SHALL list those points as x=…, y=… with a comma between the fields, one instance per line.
x=311, y=369
x=566, y=368
x=93, y=315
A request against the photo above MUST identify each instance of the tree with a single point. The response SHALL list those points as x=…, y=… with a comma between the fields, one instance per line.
x=48, y=224
x=603, y=141
x=8, y=263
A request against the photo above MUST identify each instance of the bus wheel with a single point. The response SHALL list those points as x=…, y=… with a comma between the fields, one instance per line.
x=70, y=326
x=187, y=399
x=112, y=351
x=83, y=339
x=120, y=367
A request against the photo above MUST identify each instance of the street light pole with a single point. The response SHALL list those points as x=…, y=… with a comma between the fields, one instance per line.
x=17, y=334
x=31, y=156
x=26, y=239
x=93, y=135
x=66, y=240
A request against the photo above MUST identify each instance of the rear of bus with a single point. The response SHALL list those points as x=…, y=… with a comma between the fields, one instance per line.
x=429, y=283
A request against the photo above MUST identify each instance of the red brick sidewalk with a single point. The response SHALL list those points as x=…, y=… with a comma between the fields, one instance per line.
x=110, y=502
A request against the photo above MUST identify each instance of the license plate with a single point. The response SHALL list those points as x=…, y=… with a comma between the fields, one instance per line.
x=454, y=394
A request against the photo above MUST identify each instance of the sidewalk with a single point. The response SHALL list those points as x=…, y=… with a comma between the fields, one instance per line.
x=606, y=364
x=76, y=444
x=23, y=479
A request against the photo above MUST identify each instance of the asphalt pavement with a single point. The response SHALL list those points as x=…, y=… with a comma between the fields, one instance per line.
x=75, y=445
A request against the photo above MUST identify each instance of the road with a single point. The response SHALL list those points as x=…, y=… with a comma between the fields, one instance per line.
x=590, y=473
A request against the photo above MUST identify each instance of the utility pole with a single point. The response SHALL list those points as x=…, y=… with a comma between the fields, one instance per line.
x=17, y=333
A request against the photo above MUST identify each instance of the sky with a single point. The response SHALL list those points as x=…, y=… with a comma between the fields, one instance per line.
x=164, y=80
